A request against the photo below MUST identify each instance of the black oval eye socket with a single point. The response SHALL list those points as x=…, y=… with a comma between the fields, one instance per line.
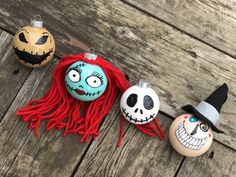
x=148, y=102
x=42, y=40
x=204, y=127
x=22, y=38
x=132, y=100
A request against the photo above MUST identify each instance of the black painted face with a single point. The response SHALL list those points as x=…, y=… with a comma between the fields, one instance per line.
x=34, y=46
x=139, y=105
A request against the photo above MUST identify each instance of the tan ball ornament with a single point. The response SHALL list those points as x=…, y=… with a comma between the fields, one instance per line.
x=34, y=45
x=192, y=134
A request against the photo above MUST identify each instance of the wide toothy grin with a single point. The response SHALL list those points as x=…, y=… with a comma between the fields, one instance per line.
x=187, y=140
x=133, y=119
x=32, y=58
x=81, y=92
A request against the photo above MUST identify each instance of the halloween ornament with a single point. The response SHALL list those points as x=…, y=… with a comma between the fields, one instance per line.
x=191, y=134
x=34, y=45
x=139, y=105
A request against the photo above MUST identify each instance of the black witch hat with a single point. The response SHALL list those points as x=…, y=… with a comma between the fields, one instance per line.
x=209, y=110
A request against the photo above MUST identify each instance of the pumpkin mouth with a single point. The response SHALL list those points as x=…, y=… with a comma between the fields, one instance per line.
x=32, y=58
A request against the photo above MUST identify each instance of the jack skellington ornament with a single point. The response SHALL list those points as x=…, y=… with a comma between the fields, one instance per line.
x=191, y=134
x=34, y=45
x=84, y=89
x=139, y=105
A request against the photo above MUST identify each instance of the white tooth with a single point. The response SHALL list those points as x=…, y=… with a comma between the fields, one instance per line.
x=187, y=146
x=191, y=146
x=188, y=138
x=185, y=135
x=199, y=142
x=184, y=143
x=192, y=140
x=181, y=133
x=195, y=142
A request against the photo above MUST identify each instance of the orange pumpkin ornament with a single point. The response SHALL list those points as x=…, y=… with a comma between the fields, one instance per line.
x=34, y=45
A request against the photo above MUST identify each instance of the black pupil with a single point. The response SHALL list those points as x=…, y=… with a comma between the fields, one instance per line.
x=94, y=81
x=132, y=100
x=74, y=75
x=148, y=102
x=22, y=38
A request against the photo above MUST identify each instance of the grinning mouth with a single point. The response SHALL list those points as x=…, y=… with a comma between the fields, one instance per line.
x=132, y=119
x=31, y=58
x=81, y=92
x=187, y=140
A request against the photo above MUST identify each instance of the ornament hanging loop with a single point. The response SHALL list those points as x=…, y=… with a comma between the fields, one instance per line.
x=91, y=54
x=143, y=83
x=36, y=21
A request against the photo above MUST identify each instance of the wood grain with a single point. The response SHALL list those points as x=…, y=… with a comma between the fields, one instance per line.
x=22, y=154
x=219, y=161
x=181, y=69
x=211, y=21
x=139, y=155
x=12, y=73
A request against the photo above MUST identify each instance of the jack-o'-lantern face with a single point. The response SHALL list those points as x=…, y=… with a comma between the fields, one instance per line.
x=34, y=46
x=190, y=136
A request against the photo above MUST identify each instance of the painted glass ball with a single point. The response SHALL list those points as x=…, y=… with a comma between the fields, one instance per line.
x=85, y=82
x=139, y=104
x=34, y=46
x=190, y=136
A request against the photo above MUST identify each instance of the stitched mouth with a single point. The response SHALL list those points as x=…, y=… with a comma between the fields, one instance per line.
x=187, y=140
x=31, y=58
x=82, y=92
x=133, y=119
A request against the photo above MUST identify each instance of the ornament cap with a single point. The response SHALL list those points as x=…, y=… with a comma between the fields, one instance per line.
x=143, y=83
x=91, y=54
x=36, y=21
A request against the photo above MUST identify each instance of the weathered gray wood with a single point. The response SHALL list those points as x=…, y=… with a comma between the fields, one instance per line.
x=12, y=73
x=139, y=155
x=211, y=21
x=221, y=164
x=22, y=154
x=181, y=69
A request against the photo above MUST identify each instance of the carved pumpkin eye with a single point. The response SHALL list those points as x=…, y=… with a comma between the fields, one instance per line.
x=42, y=40
x=22, y=38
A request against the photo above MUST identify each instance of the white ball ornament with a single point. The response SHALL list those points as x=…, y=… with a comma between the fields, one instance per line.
x=140, y=104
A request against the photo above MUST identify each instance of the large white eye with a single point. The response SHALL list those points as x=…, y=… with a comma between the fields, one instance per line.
x=94, y=81
x=74, y=75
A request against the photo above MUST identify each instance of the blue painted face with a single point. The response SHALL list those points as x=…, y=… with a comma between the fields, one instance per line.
x=85, y=81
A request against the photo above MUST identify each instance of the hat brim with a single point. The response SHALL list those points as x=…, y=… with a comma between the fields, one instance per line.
x=191, y=109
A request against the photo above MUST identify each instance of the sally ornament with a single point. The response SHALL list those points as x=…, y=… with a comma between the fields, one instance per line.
x=34, y=45
x=192, y=134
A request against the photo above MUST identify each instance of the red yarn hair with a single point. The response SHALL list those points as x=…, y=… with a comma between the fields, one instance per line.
x=75, y=116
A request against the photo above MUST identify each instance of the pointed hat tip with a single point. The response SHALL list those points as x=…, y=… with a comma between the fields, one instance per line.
x=225, y=86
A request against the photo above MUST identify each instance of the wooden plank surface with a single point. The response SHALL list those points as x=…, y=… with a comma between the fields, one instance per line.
x=219, y=161
x=211, y=21
x=139, y=155
x=142, y=48
x=146, y=48
x=12, y=73
x=22, y=154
